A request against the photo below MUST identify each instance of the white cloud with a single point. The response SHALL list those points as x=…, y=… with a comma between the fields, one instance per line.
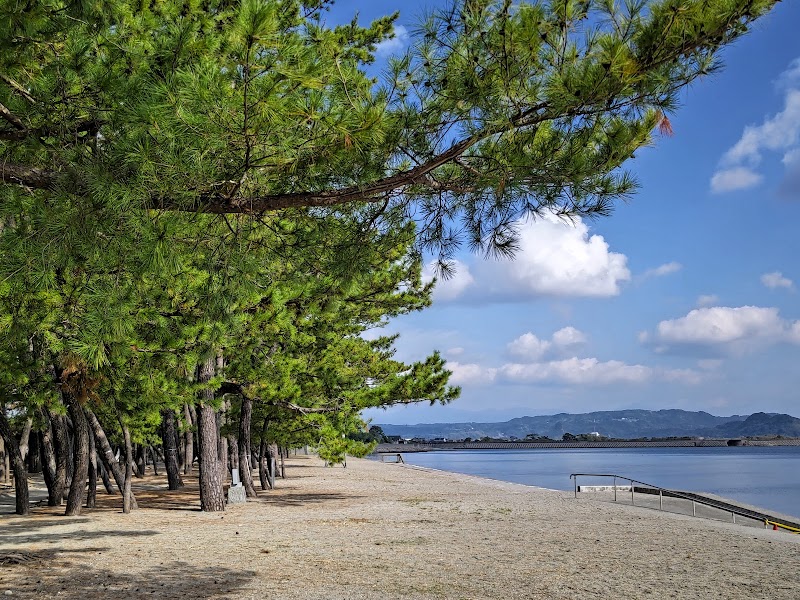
x=591, y=371
x=457, y=351
x=777, y=133
x=395, y=44
x=742, y=329
x=737, y=178
x=568, y=337
x=556, y=258
x=452, y=287
x=470, y=374
x=528, y=347
x=665, y=269
x=707, y=299
x=776, y=280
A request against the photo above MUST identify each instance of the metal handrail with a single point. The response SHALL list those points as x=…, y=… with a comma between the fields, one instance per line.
x=673, y=493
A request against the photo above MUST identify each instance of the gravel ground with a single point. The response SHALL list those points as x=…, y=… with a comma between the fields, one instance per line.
x=387, y=531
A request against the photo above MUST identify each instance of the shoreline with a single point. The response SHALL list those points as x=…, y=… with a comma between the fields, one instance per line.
x=380, y=530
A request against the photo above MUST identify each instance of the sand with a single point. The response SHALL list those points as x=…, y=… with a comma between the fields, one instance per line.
x=386, y=531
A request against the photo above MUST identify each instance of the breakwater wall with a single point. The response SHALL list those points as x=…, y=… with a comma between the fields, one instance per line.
x=705, y=443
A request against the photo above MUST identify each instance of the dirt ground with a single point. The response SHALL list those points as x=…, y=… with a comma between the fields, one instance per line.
x=386, y=531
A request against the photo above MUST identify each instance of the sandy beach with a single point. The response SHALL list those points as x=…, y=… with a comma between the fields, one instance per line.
x=377, y=530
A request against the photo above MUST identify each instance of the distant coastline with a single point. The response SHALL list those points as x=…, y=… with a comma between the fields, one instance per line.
x=392, y=448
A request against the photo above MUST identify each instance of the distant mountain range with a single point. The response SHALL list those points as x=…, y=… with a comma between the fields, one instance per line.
x=616, y=424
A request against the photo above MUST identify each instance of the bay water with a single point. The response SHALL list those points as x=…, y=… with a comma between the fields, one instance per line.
x=767, y=477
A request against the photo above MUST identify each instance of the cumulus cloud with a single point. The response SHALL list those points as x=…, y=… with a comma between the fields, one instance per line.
x=776, y=280
x=741, y=329
x=470, y=374
x=394, y=44
x=777, y=133
x=529, y=347
x=556, y=258
x=707, y=299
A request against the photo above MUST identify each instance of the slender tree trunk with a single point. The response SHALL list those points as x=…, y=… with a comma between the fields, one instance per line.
x=222, y=443
x=91, y=495
x=212, y=496
x=272, y=463
x=61, y=447
x=283, y=462
x=154, y=457
x=48, y=457
x=80, y=456
x=141, y=460
x=127, y=492
x=188, y=439
x=245, y=466
x=263, y=475
x=25, y=438
x=168, y=438
x=34, y=452
x=106, y=481
x=178, y=441
x=22, y=498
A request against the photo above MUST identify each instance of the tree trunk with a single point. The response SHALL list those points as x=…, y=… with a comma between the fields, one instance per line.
x=25, y=438
x=245, y=466
x=107, y=454
x=284, y=451
x=141, y=460
x=222, y=443
x=188, y=439
x=168, y=438
x=48, y=456
x=22, y=498
x=61, y=448
x=272, y=463
x=212, y=496
x=106, y=481
x=154, y=457
x=34, y=453
x=91, y=495
x=127, y=492
x=80, y=454
x=263, y=475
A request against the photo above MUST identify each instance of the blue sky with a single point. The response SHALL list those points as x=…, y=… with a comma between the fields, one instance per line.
x=687, y=297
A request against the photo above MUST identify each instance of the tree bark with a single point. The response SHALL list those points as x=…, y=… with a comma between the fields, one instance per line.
x=61, y=439
x=91, y=495
x=168, y=438
x=34, y=452
x=25, y=438
x=141, y=460
x=222, y=443
x=154, y=457
x=212, y=497
x=245, y=466
x=127, y=492
x=272, y=463
x=80, y=455
x=188, y=439
x=106, y=481
x=284, y=451
x=48, y=457
x=263, y=475
x=22, y=498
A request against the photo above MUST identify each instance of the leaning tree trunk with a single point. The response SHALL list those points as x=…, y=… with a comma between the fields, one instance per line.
x=80, y=455
x=245, y=467
x=170, y=449
x=22, y=498
x=212, y=496
x=24, y=440
x=107, y=455
x=188, y=439
x=91, y=496
x=106, y=480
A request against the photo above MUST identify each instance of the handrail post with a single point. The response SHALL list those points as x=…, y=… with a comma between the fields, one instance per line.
x=660, y=500
x=615, y=488
x=632, y=502
x=576, y=486
x=694, y=509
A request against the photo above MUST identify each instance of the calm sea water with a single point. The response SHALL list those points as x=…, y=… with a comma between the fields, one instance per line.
x=765, y=477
